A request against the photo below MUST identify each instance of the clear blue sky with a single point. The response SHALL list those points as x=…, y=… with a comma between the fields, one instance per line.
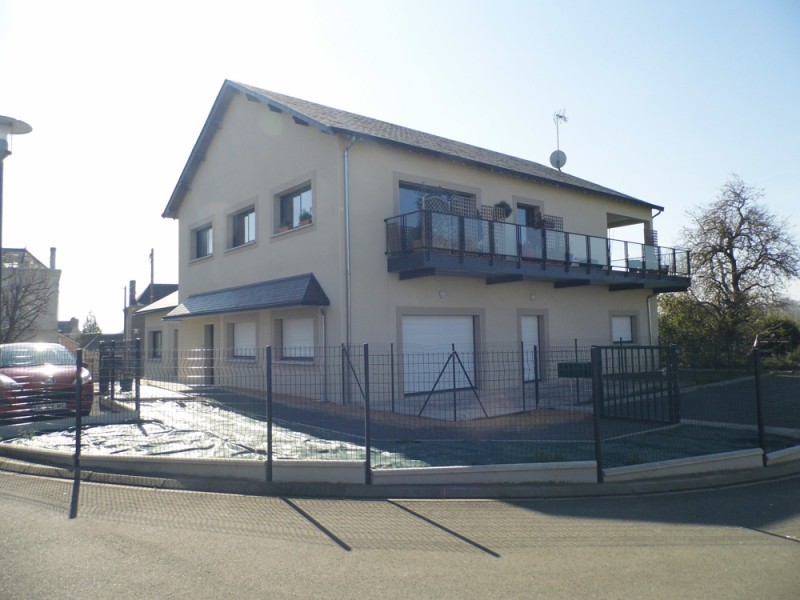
x=665, y=101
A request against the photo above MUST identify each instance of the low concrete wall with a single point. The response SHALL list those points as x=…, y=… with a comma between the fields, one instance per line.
x=561, y=472
x=783, y=456
x=712, y=463
x=319, y=471
x=353, y=472
x=294, y=471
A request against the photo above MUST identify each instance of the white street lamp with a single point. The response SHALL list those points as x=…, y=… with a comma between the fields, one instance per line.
x=8, y=127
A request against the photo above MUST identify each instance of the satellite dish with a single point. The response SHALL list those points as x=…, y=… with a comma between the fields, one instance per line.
x=558, y=159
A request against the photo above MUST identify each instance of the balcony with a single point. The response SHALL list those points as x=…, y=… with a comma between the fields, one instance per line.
x=425, y=243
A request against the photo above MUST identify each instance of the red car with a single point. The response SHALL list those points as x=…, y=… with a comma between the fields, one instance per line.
x=38, y=381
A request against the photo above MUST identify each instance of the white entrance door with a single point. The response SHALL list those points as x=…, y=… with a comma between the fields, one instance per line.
x=529, y=327
x=428, y=342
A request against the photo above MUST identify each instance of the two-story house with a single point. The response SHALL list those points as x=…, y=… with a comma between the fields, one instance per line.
x=303, y=226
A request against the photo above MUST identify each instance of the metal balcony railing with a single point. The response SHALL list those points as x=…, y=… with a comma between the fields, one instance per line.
x=426, y=232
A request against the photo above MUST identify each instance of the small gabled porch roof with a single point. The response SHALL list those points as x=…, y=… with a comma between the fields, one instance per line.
x=298, y=290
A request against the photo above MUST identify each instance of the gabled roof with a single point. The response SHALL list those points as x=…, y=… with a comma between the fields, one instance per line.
x=334, y=121
x=299, y=290
x=160, y=290
x=20, y=258
x=166, y=303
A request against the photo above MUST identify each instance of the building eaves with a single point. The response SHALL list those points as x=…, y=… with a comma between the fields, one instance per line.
x=339, y=121
x=167, y=302
x=332, y=120
x=298, y=290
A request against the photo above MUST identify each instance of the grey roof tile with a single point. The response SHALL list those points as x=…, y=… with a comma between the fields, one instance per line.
x=298, y=290
x=347, y=122
x=332, y=120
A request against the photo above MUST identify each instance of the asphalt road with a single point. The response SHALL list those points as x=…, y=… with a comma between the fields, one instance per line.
x=108, y=541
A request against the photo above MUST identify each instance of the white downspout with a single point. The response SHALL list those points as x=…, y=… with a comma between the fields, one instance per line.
x=324, y=315
x=348, y=307
x=650, y=319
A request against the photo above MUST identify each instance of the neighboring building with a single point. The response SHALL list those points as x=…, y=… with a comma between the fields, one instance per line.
x=134, y=322
x=304, y=226
x=159, y=335
x=69, y=328
x=30, y=290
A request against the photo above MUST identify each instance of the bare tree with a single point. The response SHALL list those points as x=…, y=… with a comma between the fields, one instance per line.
x=741, y=253
x=743, y=257
x=26, y=296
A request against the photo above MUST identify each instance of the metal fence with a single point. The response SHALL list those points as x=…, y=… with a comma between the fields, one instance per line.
x=617, y=405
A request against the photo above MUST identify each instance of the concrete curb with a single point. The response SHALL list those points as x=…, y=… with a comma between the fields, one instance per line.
x=509, y=491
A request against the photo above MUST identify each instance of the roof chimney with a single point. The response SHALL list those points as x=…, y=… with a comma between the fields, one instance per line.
x=52, y=258
x=132, y=293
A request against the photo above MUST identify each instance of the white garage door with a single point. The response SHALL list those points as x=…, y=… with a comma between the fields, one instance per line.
x=427, y=344
x=529, y=327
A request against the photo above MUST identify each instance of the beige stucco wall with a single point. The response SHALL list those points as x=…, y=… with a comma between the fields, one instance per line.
x=380, y=298
x=165, y=366
x=257, y=154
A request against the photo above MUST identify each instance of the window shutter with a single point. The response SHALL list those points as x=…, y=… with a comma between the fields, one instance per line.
x=298, y=338
x=621, y=329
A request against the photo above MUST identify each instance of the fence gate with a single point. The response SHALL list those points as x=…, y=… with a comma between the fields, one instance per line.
x=636, y=382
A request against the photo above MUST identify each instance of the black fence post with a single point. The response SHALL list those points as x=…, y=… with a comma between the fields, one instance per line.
x=597, y=396
x=674, y=390
x=269, y=412
x=137, y=376
x=78, y=406
x=762, y=440
x=522, y=365
x=455, y=395
x=113, y=373
x=536, y=374
x=343, y=370
x=104, y=368
x=577, y=375
x=391, y=372
x=367, y=420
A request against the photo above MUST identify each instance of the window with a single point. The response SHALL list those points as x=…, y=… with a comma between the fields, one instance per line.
x=243, y=227
x=531, y=233
x=242, y=338
x=622, y=329
x=155, y=344
x=529, y=216
x=297, y=339
x=414, y=197
x=202, y=242
x=295, y=208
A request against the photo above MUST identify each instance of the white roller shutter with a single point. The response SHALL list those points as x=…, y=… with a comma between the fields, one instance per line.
x=298, y=338
x=427, y=345
x=621, y=329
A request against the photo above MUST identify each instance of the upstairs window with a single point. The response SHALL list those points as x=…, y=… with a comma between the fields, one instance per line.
x=295, y=208
x=202, y=242
x=414, y=197
x=243, y=227
x=529, y=216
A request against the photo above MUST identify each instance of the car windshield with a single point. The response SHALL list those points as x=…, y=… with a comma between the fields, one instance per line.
x=29, y=355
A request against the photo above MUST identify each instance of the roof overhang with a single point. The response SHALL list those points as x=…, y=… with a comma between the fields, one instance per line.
x=333, y=121
x=299, y=290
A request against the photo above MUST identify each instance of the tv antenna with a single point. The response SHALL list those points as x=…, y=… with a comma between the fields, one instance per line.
x=558, y=159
